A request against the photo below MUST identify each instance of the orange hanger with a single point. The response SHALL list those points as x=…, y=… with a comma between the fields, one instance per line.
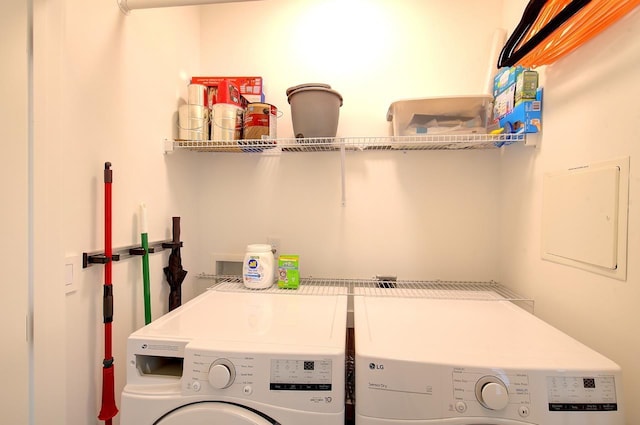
x=523, y=40
x=551, y=29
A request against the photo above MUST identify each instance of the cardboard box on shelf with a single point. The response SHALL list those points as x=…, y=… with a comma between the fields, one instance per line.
x=250, y=87
x=504, y=102
x=526, y=86
x=511, y=87
x=505, y=78
x=289, y=271
x=526, y=117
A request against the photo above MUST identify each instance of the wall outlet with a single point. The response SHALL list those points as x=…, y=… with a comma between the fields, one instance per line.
x=274, y=241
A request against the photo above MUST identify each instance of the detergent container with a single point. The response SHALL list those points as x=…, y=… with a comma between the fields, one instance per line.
x=258, y=267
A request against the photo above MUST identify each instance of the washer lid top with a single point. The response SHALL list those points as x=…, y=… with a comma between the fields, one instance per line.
x=283, y=319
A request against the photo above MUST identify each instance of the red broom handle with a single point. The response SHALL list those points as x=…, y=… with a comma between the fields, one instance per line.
x=108, y=252
x=108, y=409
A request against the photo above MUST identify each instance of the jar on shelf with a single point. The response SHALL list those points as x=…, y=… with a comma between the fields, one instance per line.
x=258, y=267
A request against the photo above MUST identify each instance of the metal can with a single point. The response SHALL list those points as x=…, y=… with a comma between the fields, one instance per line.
x=260, y=121
x=197, y=95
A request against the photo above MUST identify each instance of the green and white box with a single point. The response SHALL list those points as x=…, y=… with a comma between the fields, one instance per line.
x=288, y=271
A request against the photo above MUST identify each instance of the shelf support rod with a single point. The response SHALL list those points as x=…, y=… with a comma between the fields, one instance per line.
x=343, y=167
x=127, y=6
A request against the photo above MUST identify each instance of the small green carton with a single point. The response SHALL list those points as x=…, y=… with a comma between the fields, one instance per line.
x=288, y=272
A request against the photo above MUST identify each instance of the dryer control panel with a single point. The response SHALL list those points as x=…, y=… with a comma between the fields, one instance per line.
x=521, y=395
x=503, y=392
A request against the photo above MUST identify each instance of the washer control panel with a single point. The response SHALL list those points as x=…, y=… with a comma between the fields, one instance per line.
x=207, y=373
x=581, y=393
x=300, y=375
x=306, y=381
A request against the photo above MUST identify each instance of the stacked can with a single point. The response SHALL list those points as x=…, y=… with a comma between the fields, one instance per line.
x=227, y=113
x=193, y=118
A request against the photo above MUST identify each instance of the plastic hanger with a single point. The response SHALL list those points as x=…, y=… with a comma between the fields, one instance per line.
x=509, y=55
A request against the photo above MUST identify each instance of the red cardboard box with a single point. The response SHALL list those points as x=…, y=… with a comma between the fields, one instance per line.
x=247, y=85
x=250, y=87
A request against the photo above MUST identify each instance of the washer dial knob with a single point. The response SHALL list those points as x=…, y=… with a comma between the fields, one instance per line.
x=221, y=373
x=492, y=393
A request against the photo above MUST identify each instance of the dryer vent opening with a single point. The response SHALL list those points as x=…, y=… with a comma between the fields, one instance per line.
x=159, y=366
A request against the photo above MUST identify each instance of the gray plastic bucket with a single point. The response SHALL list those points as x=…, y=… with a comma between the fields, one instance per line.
x=302, y=86
x=315, y=110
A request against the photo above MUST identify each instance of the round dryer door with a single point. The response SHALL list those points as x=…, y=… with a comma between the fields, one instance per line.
x=213, y=413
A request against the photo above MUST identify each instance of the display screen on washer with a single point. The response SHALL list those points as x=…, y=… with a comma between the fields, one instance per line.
x=580, y=394
x=300, y=375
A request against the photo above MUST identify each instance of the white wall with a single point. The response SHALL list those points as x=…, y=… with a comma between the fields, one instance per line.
x=108, y=86
x=589, y=116
x=121, y=80
x=419, y=214
x=14, y=178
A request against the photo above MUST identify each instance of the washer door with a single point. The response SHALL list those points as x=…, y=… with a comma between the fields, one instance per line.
x=214, y=413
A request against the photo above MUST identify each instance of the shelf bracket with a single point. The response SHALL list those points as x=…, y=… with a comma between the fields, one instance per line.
x=168, y=146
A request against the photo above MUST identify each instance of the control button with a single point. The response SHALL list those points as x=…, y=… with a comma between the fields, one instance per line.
x=494, y=396
x=219, y=376
x=195, y=386
x=222, y=373
x=461, y=407
x=247, y=390
x=492, y=393
x=523, y=411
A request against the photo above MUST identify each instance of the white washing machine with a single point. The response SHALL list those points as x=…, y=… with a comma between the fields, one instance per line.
x=238, y=358
x=424, y=361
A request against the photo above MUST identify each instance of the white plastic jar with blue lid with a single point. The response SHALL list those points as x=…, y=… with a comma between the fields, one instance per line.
x=258, y=267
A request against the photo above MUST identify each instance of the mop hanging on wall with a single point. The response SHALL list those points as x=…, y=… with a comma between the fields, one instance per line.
x=108, y=409
x=551, y=29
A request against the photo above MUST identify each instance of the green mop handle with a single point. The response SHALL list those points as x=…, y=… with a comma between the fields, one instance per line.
x=145, y=264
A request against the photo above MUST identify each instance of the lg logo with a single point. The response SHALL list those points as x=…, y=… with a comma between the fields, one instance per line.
x=374, y=366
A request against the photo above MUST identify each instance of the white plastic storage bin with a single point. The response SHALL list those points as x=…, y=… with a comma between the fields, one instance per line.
x=441, y=115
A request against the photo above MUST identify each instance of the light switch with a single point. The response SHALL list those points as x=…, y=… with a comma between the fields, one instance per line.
x=71, y=272
x=68, y=274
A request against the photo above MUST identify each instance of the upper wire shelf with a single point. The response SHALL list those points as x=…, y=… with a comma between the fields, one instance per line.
x=404, y=143
x=377, y=287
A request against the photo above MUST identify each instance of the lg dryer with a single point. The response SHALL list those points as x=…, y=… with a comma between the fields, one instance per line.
x=423, y=361
x=240, y=357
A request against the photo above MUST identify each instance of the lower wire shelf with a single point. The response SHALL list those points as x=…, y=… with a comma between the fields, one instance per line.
x=377, y=287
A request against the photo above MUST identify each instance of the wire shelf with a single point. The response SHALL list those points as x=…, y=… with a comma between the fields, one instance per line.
x=436, y=289
x=403, y=143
